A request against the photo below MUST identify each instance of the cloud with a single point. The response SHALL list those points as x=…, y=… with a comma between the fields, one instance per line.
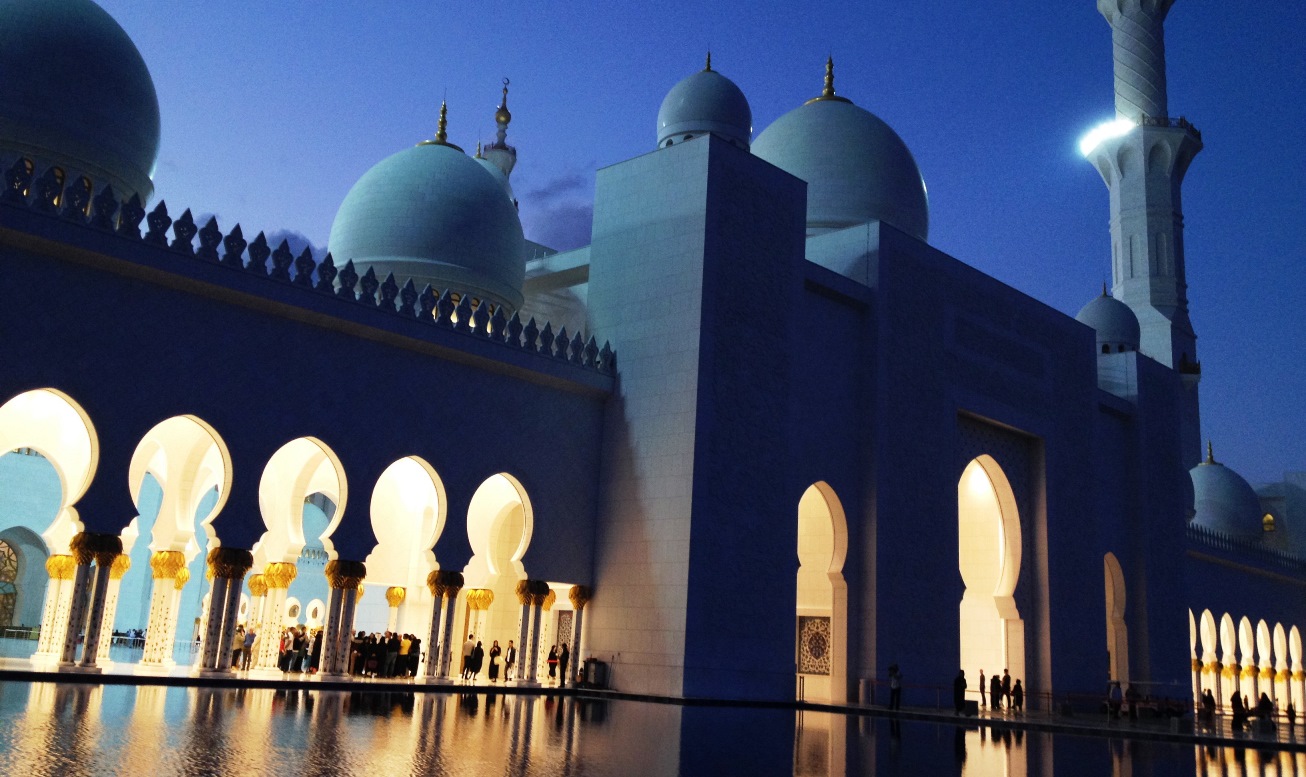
x=560, y=188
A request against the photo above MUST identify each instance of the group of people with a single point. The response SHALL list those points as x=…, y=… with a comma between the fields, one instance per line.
x=301, y=650
x=474, y=655
x=1242, y=711
x=1001, y=693
x=997, y=692
x=387, y=655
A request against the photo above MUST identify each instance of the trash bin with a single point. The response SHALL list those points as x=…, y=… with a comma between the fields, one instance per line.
x=596, y=673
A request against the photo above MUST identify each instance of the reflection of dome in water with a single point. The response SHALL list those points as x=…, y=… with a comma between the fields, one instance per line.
x=705, y=102
x=436, y=215
x=75, y=92
x=856, y=167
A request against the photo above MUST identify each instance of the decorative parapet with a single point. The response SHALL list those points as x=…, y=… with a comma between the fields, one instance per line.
x=1247, y=551
x=446, y=309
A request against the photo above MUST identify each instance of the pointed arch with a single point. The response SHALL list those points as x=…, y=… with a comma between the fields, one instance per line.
x=822, y=601
x=298, y=469
x=1117, y=633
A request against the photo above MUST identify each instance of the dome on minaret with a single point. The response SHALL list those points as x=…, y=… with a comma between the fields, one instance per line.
x=1223, y=500
x=75, y=93
x=705, y=102
x=856, y=167
x=436, y=215
x=1115, y=323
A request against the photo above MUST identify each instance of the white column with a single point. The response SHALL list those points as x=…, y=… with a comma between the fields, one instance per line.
x=76, y=612
x=434, y=647
x=278, y=577
x=523, y=637
x=575, y=644
x=54, y=617
x=117, y=569
x=348, y=608
x=231, y=613
x=331, y=639
x=213, y=627
x=446, y=649
x=95, y=618
x=537, y=613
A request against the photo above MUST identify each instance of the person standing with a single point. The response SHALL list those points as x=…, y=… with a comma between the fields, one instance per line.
x=564, y=658
x=995, y=693
x=983, y=701
x=391, y=653
x=478, y=658
x=553, y=663
x=959, y=691
x=509, y=661
x=468, y=647
x=495, y=652
x=1006, y=688
x=251, y=636
x=1017, y=697
x=895, y=688
x=414, y=655
x=237, y=646
x=401, y=664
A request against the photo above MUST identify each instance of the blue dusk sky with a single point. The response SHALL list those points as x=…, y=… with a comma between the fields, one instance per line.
x=271, y=111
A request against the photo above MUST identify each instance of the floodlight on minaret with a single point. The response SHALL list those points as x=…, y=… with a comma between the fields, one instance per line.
x=1142, y=156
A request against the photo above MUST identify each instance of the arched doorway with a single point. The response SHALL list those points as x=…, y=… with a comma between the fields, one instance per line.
x=989, y=554
x=822, y=605
x=8, y=584
x=500, y=523
x=1117, y=633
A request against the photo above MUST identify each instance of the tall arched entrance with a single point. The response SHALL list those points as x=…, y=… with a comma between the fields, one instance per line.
x=822, y=607
x=1117, y=633
x=989, y=555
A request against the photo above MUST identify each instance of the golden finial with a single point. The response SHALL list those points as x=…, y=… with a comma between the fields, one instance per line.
x=828, y=92
x=441, y=134
x=708, y=68
x=478, y=149
x=1210, y=454
x=502, y=116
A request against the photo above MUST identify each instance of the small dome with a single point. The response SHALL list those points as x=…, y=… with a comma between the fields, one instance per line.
x=75, y=92
x=1224, y=501
x=856, y=167
x=1115, y=323
x=705, y=102
x=438, y=216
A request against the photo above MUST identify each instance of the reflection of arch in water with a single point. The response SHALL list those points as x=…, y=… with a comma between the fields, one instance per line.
x=1117, y=633
x=822, y=604
x=989, y=556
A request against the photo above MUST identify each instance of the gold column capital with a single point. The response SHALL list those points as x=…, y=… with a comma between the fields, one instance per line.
x=61, y=567
x=106, y=558
x=360, y=592
x=479, y=598
x=165, y=564
x=279, y=574
x=394, y=595
x=580, y=596
x=549, y=599
x=258, y=585
x=183, y=577
x=345, y=574
x=444, y=581
x=119, y=566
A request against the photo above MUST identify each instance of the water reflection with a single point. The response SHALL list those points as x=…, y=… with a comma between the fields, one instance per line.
x=52, y=729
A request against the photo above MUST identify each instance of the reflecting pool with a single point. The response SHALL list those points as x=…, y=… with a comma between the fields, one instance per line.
x=74, y=729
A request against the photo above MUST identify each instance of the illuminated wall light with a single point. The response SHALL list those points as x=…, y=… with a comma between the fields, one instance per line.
x=1103, y=132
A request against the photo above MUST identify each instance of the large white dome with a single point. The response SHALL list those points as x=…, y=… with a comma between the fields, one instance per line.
x=75, y=92
x=436, y=215
x=1115, y=323
x=705, y=102
x=856, y=167
x=1224, y=501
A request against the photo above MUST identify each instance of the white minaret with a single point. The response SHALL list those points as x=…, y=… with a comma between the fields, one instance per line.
x=1142, y=156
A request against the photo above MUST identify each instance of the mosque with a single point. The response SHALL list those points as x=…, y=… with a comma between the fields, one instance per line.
x=900, y=460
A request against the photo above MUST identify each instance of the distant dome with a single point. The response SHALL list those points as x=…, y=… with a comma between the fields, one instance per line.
x=856, y=167
x=436, y=215
x=1115, y=323
x=1224, y=501
x=75, y=92
x=705, y=102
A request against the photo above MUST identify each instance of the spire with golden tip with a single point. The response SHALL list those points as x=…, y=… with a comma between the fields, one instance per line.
x=828, y=92
x=708, y=67
x=441, y=135
x=1210, y=454
x=503, y=116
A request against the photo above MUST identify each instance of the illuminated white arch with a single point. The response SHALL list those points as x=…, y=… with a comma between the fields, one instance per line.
x=822, y=533
x=52, y=423
x=1116, y=630
x=409, y=510
x=300, y=468
x=188, y=459
x=989, y=546
x=492, y=519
